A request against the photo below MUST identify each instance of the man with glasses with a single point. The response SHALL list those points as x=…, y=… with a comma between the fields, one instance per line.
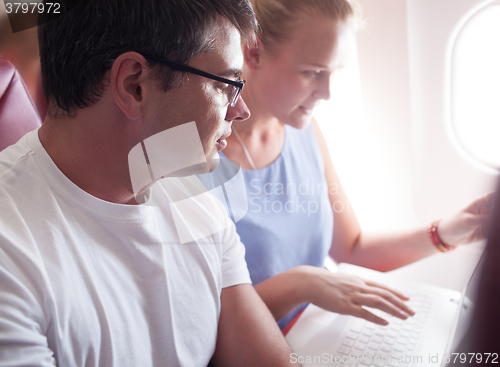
x=89, y=276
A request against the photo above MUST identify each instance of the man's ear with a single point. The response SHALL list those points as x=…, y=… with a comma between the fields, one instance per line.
x=128, y=76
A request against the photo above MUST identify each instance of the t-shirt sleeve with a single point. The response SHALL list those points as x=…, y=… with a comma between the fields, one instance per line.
x=22, y=339
x=234, y=266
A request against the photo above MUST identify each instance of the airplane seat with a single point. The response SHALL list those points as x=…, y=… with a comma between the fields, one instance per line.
x=18, y=114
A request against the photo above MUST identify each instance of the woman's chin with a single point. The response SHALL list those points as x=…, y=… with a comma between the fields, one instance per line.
x=299, y=122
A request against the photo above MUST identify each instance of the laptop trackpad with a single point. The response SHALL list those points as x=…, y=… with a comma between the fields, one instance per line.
x=316, y=331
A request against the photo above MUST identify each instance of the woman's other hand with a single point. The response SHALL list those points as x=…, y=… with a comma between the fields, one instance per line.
x=347, y=294
x=468, y=225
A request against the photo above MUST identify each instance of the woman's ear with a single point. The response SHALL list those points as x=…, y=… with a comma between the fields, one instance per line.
x=252, y=55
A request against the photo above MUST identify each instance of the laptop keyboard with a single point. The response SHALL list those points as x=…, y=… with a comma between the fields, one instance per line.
x=394, y=345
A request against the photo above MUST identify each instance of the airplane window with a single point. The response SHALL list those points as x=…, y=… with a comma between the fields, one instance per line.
x=475, y=86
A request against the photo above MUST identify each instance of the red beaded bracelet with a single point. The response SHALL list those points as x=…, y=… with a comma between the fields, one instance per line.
x=441, y=246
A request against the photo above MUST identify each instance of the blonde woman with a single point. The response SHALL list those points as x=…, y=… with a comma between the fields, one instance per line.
x=291, y=183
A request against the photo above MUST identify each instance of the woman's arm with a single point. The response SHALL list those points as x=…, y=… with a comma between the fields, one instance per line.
x=389, y=251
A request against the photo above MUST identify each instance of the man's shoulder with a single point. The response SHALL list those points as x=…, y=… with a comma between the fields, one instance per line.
x=13, y=160
x=23, y=189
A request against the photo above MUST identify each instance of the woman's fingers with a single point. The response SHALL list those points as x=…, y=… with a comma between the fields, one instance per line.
x=376, y=295
x=392, y=298
x=368, y=316
x=389, y=289
x=347, y=294
x=376, y=301
x=483, y=205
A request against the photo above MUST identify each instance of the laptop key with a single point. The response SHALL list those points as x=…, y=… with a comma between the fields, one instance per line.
x=402, y=340
x=344, y=349
x=396, y=328
x=370, y=326
x=364, y=339
x=386, y=348
x=365, y=362
x=399, y=348
x=405, y=334
x=352, y=364
x=348, y=342
x=392, y=334
x=390, y=341
x=357, y=325
x=407, y=327
x=352, y=335
x=360, y=346
x=368, y=332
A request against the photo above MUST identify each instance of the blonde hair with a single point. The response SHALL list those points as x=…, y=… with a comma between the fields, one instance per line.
x=277, y=18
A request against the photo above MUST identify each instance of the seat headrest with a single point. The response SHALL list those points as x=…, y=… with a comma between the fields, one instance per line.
x=18, y=114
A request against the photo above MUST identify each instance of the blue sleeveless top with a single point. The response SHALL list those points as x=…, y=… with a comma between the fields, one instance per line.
x=289, y=220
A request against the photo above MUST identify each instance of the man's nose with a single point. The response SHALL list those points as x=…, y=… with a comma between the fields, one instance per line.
x=239, y=112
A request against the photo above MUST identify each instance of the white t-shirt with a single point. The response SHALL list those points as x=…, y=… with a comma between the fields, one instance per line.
x=85, y=282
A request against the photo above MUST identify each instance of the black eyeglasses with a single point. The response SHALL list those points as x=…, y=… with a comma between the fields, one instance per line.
x=234, y=86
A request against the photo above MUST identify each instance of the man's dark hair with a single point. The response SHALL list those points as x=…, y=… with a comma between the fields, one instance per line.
x=76, y=47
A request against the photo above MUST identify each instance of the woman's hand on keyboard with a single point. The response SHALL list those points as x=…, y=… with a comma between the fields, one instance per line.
x=347, y=294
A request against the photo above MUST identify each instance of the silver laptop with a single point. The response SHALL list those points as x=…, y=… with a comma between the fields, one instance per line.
x=322, y=338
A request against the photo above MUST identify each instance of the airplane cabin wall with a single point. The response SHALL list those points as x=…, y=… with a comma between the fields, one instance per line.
x=400, y=163
x=446, y=177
